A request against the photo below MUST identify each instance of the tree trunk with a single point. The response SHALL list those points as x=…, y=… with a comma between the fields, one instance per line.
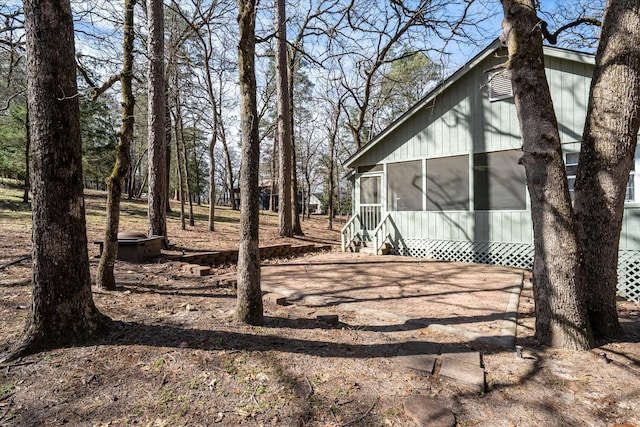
x=308, y=181
x=104, y=275
x=249, y=307
x=295, y=206
x=167, y=135
x=179, y=163
x=62, y=310
x=274, y=175
x=27, y=184
x=186, y=174
x=142, y=184
x=130, y=181
x=330, y=182
x=607, y=153
x=212, y=181
x=227, y=158
x=559, y=293
x=284, y=122
x=156, y=118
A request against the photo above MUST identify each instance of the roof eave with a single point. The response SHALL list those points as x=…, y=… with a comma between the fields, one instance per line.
x=548, y=51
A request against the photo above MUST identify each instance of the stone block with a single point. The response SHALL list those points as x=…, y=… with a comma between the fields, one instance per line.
x=464, y=373
x=275, y=298
x=427, y=412
x=424, y=363
x=331, y=319
x=201, y=270
x=470, y=357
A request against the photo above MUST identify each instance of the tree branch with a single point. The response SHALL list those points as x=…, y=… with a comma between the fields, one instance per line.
x=97, y=91
x=8, y=103
x=553, y=37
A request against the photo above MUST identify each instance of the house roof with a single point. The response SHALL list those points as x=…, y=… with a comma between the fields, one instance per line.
x=550, y=51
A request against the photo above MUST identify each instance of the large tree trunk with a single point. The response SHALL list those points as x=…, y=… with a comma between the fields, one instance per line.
x=104, y=275
x=62, y=310
x=249, y=308
x=156, y=118
x=607, y=153
x=167, y=135
x=296, y=227
x=274, y=174
x=284, y=122
x=27, y=149
x=561, y=312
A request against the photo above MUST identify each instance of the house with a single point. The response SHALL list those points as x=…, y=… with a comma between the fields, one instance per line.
x=269, y=201
x=315, y=204
x=443, y=180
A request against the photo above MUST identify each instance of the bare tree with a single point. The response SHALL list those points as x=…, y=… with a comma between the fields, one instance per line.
x=284, y=123
x=561, y=314
x=336, y=107
x=62, y=310
x=608, y=147
x=249, y=309
x=104, y=274
x=156, y=121
x=377, y=29
x=203, y=28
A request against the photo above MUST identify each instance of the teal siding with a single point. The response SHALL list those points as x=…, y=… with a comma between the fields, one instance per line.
x=461, y=120
x=569, y=83
x=630, y=233
x=505, y=226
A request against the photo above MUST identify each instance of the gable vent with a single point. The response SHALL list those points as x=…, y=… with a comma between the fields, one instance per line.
x=500, y=85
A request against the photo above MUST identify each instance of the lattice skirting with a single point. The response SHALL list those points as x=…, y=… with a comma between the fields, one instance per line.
x=512, y=255
x=629, y=275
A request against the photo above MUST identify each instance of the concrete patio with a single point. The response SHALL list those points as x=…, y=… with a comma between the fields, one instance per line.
x=473, y=301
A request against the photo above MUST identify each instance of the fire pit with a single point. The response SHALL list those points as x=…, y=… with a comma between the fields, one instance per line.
x=135, y=246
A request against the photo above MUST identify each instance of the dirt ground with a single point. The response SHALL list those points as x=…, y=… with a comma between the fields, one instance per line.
x=177, y=357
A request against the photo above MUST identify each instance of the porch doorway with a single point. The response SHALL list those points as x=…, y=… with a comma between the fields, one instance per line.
x=370, y=201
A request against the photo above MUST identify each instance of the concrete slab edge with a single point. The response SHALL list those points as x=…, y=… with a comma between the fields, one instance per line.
x=510, y=322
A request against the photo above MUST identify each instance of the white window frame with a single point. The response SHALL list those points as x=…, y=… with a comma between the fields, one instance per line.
x=499, y=85
x=634, y=176
x=571, y=179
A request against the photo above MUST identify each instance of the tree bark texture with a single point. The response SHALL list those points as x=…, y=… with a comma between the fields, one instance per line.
x=561, y=312
x=156, y=121
x=330, y=180
x=296, y=227
x=185, y=168
x=274, y=173
x=212, y=182
x=249, y=307
x=284, y=122
x=180, y=164
x=167, y=135
x=607, y=153
x=229, y=166
x=27, y=150
x=105, y=278
x=62, y=310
